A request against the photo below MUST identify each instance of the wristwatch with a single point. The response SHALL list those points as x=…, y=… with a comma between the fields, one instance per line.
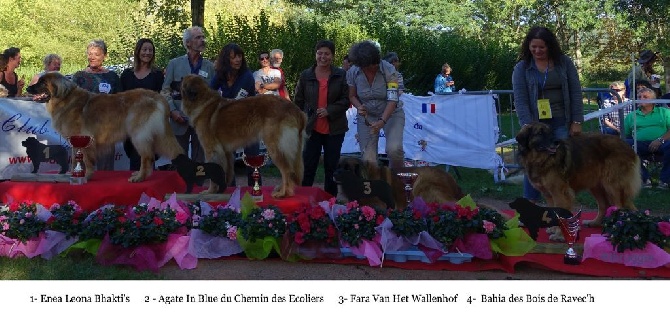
x=577, y=122
x=660, y=139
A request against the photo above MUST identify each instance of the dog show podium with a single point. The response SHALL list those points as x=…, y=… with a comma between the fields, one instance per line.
x=112, y=187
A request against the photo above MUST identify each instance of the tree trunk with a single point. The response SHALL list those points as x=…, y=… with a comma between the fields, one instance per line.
x=198, y=13
x=578, y=53
x=666, y=74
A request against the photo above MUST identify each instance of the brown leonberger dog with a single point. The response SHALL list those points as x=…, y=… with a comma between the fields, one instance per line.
x=433, y=184
x=224, y=125
x=602, y=164
x=140, y=114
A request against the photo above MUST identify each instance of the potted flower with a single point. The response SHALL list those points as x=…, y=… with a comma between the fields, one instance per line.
x=22, y=229
x=67, y=218
x=214, y=232
x=260, y=230
x=310, y=234
x=19, y=221
x=357, y=229
x=632, y=238
x=144, y=237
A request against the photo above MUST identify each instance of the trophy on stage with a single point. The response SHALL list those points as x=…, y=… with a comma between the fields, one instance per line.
x=570, y=228
x=408, y=179
x=256, y=161
x=78, y=172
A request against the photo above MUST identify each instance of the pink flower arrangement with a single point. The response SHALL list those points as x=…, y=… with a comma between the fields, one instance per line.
x=311, y=223
x=358, y=223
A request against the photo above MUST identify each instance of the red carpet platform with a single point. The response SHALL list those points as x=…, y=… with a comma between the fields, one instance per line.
x=104, y=187
x=113, y=187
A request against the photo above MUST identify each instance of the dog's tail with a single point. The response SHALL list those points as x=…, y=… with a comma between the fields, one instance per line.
x=302, y=139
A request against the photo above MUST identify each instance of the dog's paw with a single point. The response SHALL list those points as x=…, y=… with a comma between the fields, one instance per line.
x=136, y=178
x=557, y=237
x=553, y=230
x=592, y=223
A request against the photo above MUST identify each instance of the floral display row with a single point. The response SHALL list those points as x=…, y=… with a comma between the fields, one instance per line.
x=152, y=233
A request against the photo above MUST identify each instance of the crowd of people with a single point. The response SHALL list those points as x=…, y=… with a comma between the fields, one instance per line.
x=324, y=92
x=545, y=83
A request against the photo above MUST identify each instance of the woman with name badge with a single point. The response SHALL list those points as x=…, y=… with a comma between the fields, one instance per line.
x=98, y=79
x=546, y=89
x=373, y=90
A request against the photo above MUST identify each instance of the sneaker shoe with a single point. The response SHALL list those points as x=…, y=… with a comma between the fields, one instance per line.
x=663, y=185
x=647, y=184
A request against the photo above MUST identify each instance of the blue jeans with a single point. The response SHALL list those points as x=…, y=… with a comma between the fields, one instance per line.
x=560, y=130
x=643, y=150
x=332, y=146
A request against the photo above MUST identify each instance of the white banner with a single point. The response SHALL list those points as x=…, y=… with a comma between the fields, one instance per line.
x=457, y=130
x=20, y=119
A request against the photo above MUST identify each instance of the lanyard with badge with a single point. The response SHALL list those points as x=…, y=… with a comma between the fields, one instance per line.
x=196, y=69
x=543, y=107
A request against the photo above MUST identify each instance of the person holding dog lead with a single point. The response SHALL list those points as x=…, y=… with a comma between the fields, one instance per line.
x=546, y=89
x=374, y=90
x=322, y=93
x=98, y=79
x=192, y=62
x=234, y=80
x=143, y=74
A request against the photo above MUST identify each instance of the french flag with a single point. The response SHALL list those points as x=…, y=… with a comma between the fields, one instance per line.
x=428, y=108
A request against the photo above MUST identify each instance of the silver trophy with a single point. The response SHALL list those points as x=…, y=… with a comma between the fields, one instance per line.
x=408, y=179
x=570, y=227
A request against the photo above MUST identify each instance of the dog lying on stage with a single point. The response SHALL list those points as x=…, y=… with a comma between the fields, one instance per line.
x=194, y=172
x=433, y=185
x=366, y=192
x=39, y=153
x=534, y=217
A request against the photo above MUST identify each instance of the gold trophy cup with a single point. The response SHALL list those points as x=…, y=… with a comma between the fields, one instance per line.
x=408, y=179
x=256, y=162
x=78, y=172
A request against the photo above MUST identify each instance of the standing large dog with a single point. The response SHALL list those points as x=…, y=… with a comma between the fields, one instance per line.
x=602, y=164
x=139, y=114
x=224, y=125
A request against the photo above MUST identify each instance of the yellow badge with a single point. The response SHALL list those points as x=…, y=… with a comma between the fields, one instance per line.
x=544, y=109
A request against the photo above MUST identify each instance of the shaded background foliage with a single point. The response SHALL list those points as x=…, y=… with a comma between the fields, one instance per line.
x=479, y=38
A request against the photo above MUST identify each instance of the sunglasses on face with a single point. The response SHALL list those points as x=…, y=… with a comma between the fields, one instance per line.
x=264, y=58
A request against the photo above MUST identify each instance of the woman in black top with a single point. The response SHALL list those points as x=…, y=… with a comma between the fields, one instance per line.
x=10, y=59
x=143, y=75
x=323, y=94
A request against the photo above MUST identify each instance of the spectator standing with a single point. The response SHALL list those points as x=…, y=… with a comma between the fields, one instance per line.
x=194, y=63
x=393, y=59
x=652, y=125
x=11, y=59
x=642, y=71
x=547, y=89
x=51, y=63
x=100, y=80
x=346, y=64
x=322, y=93
x=145, y=75
x=276, y=59
x=267, y=79
x=444, y=83
x=373, y=90
x=235, y=81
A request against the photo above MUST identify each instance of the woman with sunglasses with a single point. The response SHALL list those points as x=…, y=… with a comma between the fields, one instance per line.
x=267, y=79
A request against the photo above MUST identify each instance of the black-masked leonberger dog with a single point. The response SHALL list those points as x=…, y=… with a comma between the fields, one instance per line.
x=602, y=164
x=433, y=184
x=140, y=114
x=224, y=125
